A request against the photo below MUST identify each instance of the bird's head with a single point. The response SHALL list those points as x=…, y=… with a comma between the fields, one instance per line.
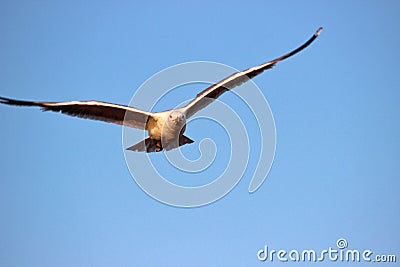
x=176, y=118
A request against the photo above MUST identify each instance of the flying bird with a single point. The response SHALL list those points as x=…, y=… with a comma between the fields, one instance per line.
x=165, y=129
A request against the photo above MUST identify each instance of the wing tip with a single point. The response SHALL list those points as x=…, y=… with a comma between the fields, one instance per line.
x=16, y=102
x=317, y=33
x=4, y=100
x=10, y=101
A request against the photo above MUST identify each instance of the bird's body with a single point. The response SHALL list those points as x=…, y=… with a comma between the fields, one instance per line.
x=167, y=124
x=165, y=129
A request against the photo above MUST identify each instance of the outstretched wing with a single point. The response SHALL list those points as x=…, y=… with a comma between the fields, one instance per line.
x=94, y=110
x=213, y=92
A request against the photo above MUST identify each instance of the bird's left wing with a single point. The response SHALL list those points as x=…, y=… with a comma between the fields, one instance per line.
x=213, y=92
x=95, y=110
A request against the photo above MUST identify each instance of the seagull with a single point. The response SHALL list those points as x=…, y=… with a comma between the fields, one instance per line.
x=165, y=129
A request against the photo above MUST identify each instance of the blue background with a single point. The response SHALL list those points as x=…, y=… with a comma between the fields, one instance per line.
x=67, y=197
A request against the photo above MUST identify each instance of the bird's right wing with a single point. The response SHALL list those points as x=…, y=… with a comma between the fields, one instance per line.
x=214, y=91
x=95, y=110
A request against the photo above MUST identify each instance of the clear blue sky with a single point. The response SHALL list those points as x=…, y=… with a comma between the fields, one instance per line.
x=67, y=197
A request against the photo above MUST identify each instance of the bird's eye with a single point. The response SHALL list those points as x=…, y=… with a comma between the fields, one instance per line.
x=170, y=116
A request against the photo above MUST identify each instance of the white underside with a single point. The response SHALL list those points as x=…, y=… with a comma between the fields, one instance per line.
x=161, y=128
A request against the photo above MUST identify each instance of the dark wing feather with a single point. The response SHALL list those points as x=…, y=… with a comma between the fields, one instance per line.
x=94, y=110
x=213, y=92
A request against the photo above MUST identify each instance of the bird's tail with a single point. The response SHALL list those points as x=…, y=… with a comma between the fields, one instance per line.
x=149, y=145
